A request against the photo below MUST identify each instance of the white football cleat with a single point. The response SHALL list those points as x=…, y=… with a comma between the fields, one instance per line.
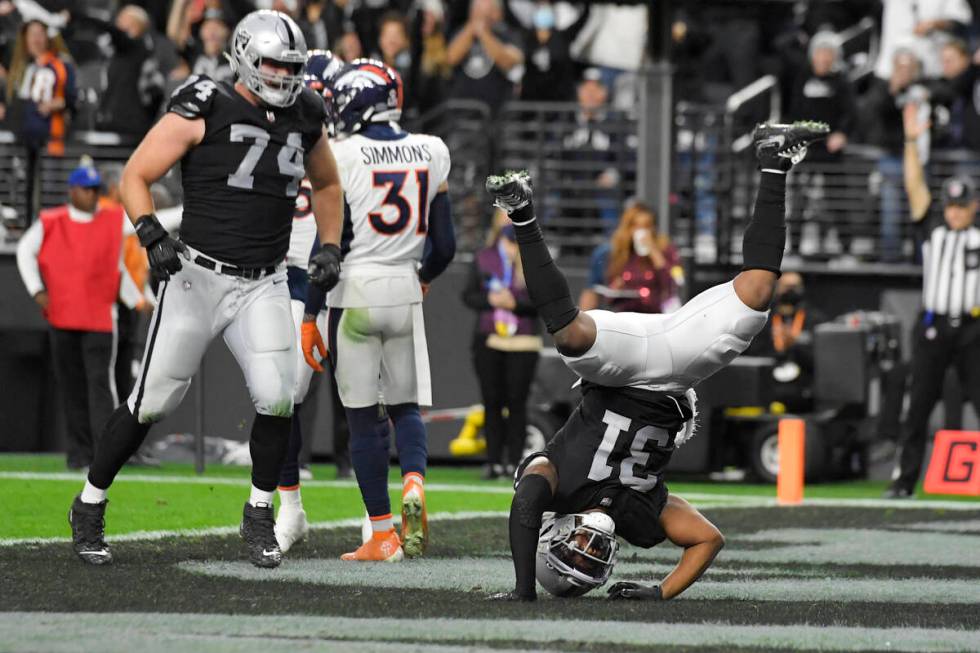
x=291, y=526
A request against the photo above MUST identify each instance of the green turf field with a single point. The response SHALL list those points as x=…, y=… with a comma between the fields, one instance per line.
x=845, y=572
x=173, y=497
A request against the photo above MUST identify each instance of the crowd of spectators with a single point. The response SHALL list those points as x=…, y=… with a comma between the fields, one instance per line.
x=121, y=59
x=109, y=66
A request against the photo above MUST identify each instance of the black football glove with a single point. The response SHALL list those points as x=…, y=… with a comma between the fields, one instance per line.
x=325, y=267
x=162, y=249
x=511, y=596
x=635, y=591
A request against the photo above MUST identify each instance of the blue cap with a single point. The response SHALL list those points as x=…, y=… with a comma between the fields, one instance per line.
x=85, y=177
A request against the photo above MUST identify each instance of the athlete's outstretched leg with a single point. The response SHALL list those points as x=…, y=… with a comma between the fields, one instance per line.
x=778, y=148
x=574, y=331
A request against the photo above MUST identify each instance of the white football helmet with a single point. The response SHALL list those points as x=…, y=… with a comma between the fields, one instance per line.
x=576, y=553
x=272, y=37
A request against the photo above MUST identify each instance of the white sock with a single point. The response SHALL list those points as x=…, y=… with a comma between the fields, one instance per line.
x=382, y=524
x=260, y=496
x=290, y=498
x=92, y=494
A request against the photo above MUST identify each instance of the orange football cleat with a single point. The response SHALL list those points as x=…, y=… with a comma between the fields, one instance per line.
x=415, y=521
x=382, y=547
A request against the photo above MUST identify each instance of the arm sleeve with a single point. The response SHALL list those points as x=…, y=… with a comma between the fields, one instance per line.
x=27, y=250
x=474, y=294
x=441, y=237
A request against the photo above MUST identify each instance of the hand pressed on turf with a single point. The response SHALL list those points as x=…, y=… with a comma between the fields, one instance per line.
x=512, y=596
x=635, y=591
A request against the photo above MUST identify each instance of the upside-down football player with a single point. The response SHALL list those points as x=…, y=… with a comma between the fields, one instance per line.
x=602, y=473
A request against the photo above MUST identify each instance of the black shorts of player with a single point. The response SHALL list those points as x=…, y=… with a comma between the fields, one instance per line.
x=636, y=514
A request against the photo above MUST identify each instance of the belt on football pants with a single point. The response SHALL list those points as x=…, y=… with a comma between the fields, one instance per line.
x=233, y=271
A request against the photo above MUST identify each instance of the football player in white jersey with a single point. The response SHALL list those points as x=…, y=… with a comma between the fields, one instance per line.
x=398, y=237
x=291, y=523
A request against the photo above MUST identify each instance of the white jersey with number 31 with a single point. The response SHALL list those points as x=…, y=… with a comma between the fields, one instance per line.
x=388, y=187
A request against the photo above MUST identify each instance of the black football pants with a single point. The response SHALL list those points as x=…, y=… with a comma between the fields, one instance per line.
x=931, y=357
x=83, y=367
x=505, y=382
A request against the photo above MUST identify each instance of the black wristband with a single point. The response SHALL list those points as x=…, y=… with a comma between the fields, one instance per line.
x=149, y=230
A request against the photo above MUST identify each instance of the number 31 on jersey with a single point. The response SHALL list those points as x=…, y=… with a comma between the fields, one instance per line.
x=391, y=223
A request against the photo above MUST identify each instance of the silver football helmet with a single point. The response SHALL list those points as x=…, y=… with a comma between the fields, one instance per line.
x=576, y=553
x=267, y=36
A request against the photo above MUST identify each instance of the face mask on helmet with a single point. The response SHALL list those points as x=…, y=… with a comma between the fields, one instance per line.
x=576, y=553
x=268, y=53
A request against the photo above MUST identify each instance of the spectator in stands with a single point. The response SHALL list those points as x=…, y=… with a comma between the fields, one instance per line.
x=485, y=56
x=637, y=271
x=506, y=345
x=954, y=90
x=612, y=40
x=40, y=95
x=209, y=49
x=70, y=262
x=430, y=56
x=133, y=82
x=822, y=92
x=922, y=27
x=788, y=338
x=322, y=23
x=883, y=128
x=549, y=73
x=591, y=155
x=394, y=48
x=349, y=46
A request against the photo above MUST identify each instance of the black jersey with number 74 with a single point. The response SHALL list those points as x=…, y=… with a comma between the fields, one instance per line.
x=240, y=182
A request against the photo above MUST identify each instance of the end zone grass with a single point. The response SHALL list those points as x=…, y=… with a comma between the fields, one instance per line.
x=38, y=490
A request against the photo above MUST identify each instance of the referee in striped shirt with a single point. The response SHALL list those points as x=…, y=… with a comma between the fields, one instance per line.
x=948, y=332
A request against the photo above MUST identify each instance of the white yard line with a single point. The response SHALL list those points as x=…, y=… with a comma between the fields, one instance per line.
x=747, y=499
x=150, y=632
x=140, y=536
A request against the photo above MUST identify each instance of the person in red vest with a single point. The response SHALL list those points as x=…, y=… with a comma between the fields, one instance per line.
x=70, y=262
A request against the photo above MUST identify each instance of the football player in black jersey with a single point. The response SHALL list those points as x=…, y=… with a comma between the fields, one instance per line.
x=602, y=473
x=243, y=149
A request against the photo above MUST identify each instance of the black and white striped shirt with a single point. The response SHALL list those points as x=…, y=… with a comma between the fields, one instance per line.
x=951, y=271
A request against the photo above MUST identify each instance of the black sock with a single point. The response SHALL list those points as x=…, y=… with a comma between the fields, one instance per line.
x=545, y=282
x=268, y=445
x=530, y=500
x=765, y=237
x=289, y=474
x=121, y=438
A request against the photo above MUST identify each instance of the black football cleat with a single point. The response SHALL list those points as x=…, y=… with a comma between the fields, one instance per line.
x=779, y=147
x=88, y=531
x=897, y=491
x=510, y=191
x=258, y=531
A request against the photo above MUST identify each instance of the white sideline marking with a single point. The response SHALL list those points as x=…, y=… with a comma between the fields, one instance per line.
x=59, y=631
x=749, y=500
x=140, y=536
x=494, y=574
